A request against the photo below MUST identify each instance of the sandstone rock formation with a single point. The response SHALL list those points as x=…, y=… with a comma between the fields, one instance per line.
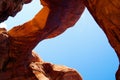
x=36, y=69
x=18, y=62
x=107, y=15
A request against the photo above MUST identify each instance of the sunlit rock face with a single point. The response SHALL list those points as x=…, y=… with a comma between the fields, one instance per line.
x=18, y=62
x=29, y=66
x=36, y=69
x=107, y=15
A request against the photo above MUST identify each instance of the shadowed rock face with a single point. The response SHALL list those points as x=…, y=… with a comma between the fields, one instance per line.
x=18, y=62
x=34, y=68
x=107, y=15
x=11, y=8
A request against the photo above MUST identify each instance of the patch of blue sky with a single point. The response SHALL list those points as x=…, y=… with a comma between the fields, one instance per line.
x=83, y=47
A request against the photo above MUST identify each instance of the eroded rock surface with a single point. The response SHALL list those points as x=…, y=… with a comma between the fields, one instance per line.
x=107, y=15
x=18, y=62
x=36, y=69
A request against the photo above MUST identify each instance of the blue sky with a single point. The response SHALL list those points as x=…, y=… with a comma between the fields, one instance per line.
x=83, y=47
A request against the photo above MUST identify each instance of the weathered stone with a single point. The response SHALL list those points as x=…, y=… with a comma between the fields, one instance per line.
x=38, y=70
x=19, y=62
x=107, y=15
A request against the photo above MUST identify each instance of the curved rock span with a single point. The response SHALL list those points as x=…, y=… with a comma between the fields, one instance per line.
x=18, y=62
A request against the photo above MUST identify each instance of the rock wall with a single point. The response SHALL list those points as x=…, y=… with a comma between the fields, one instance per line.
x=18, y=62
x=38, y=70
x=107, y=15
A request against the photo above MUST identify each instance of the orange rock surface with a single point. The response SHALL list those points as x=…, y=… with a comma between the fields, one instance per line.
x=107, y=15
x=34, y=68
x=18, y=62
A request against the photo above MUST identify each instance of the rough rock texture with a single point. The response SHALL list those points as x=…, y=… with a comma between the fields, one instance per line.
x=37, y=69
x=18, y=62
x=107, y=15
